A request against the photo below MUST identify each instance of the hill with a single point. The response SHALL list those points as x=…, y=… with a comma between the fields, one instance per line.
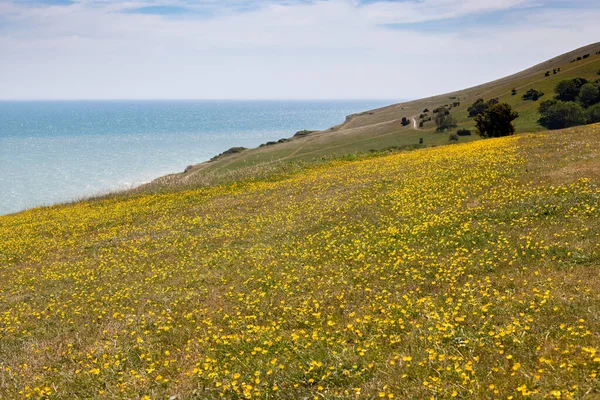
x=381, y=129
x=467, y=271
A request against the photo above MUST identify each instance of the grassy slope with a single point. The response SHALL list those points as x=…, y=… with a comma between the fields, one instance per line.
x=380, y=129
x=467, y=270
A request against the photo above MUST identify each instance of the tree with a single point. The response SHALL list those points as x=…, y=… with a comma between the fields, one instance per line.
x=593, y=114
x=513, y=92
x=589, y=94
x=546, y=104
x=563, y=114
x=405, y=121
x=444, y=121
x=566, y=90
x=477, y=108
x=496, y=121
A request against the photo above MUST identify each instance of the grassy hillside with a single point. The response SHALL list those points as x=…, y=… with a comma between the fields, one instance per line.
x=464, y=271
x=380, y=129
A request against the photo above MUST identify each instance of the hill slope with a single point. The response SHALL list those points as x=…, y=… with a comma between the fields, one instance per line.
x=380, y=129
x=467, y=270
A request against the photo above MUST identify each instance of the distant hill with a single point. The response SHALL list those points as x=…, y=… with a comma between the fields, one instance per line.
x=380, y=129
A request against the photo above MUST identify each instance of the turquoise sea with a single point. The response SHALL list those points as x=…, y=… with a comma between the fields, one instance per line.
x=55, y=151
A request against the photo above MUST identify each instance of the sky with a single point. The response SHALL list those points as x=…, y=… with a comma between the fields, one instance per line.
x=278, y=49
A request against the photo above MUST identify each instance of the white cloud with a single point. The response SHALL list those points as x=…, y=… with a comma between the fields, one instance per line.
x=326, y=49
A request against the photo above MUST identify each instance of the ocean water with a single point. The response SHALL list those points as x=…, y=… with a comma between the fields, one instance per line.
x=63, y=150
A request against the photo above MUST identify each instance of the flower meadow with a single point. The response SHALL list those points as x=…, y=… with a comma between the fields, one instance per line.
x=465, y=271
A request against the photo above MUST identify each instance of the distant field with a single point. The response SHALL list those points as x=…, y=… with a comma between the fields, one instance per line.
x=381, y=129
x=466, y=271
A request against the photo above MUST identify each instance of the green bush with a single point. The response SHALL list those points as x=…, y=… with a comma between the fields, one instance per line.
x=533, y=94
x=463, y=132
x=589, y=95
x=593, y=114
x=563, y=115
x=496, y=121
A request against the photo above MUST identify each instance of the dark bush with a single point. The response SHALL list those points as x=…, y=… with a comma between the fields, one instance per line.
x=593, y=114
x=546, y=104
x=567, y=90
x=453, y=137
x=589, y=94
x=426, y=110
x=405, y=121
x=477, y=108
x=444, y=121
x=547, y=73
x=585, y=56
x=496, y=121
x=463, y=132
x=513, y=92
x=563, y=115
x=420, y=140
x=533, y=95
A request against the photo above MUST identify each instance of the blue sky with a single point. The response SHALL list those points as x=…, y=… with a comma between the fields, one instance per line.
x=275, y=49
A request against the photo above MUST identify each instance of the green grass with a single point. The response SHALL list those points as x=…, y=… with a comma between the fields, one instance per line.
x=381, y=129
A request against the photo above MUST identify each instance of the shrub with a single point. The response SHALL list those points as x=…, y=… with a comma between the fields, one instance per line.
x=405, y=121
x=567, y=90
x=463, y=132
x=426, y=110
x=421, y=124
x=589, y=95
x=477, y=108
x=532, y=94
x=545, y=105
x=547, y=73
x=444, y=121
x=513, y=92
x=420, y=140
x=453, y=137
x=593, y=114
x=585, y=56
x=496, y=121
x=563, y=115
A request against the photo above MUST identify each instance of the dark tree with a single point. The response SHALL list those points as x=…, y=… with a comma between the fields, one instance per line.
x=420, y=140
x=405, y=121
x=547, y=73
x=477, y=108
x=496, y=121
x=444, y=121
x=493, y=101
x=593, y=114
x=546, y=104
x=513, y=92
x=563, y=114
x=589, y=95
x=567, y=90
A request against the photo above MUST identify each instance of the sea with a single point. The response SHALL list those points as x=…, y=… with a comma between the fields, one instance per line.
x=58, y=151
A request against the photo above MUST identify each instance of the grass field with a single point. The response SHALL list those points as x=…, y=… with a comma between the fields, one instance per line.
x=381, y=129
x=465, y=271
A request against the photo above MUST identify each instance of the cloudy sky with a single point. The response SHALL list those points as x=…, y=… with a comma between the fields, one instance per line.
x=277, y=49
